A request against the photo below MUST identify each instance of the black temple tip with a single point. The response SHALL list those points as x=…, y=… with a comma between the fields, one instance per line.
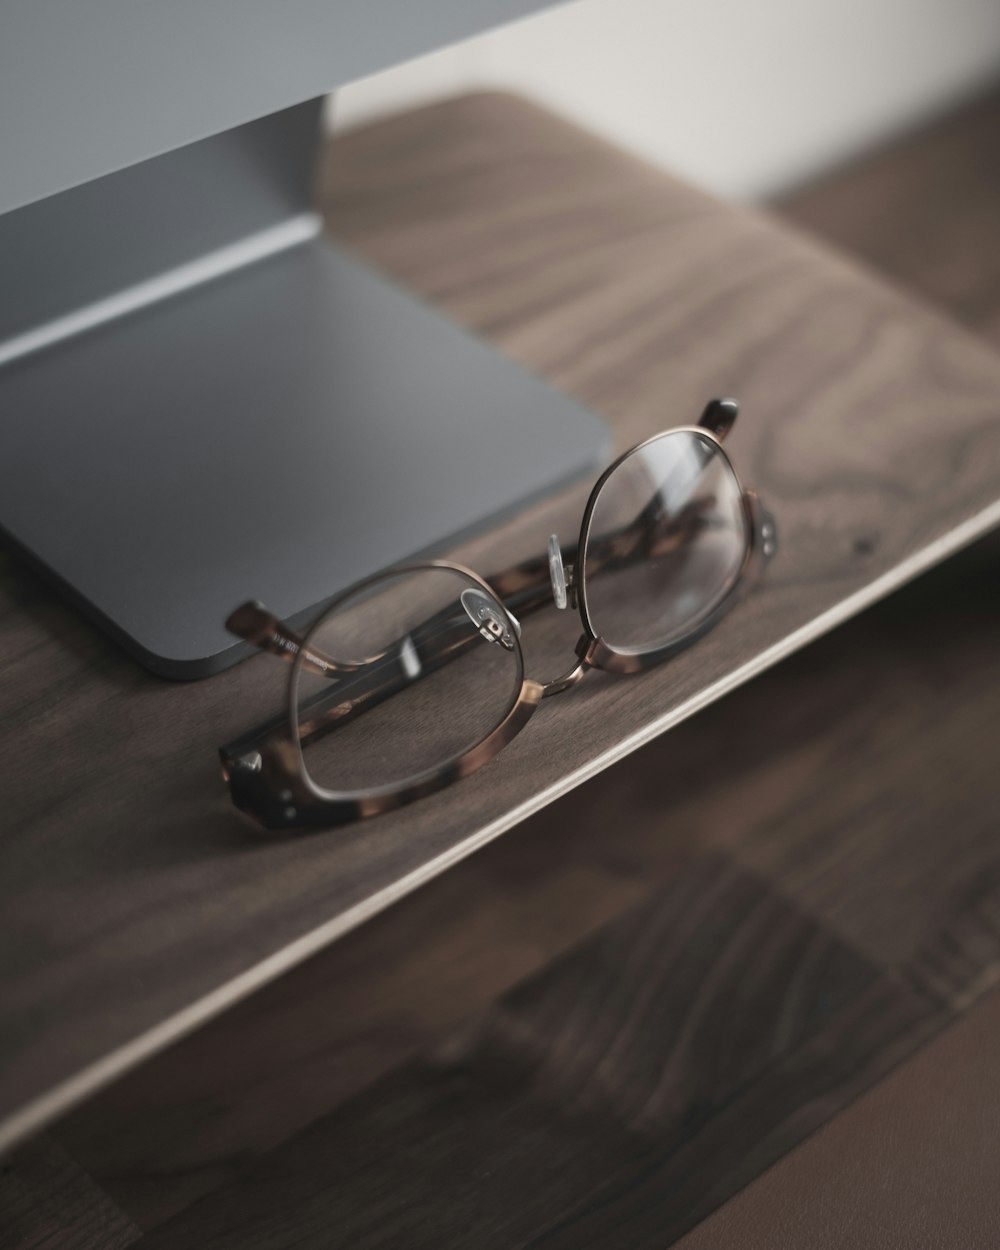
x=719, y=416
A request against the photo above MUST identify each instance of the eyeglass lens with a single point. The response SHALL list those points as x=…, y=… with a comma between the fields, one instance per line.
x=423, y=665
x=667, y=541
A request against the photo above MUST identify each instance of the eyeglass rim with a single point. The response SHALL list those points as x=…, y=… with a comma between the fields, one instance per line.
x=351, y=805
x=593, y=649
x=281, y=794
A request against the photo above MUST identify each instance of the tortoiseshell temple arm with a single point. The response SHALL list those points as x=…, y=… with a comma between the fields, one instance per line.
x=258, y=624
x=354, y=688
x=361, y=687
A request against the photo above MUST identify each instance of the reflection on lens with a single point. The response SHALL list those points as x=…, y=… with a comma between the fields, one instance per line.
x=667, y=541
x=403, y=677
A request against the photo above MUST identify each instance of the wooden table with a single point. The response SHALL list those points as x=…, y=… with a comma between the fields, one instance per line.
x=136, y=904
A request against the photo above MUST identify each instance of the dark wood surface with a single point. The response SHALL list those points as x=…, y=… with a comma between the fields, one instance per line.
x=676, y=1010
x=135, y=902
x=49, y=1202
x=744, y=924
x=629, y=1085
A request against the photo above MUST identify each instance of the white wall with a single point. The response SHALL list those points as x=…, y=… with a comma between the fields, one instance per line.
x=745, y=97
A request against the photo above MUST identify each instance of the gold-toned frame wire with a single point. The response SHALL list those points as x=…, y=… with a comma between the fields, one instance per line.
x=266, y=769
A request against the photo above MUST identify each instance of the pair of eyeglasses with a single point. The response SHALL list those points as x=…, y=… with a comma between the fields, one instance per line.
x=414, y=678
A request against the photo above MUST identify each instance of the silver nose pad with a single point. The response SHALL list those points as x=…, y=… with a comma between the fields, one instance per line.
x=557, y=573
x=492, y=623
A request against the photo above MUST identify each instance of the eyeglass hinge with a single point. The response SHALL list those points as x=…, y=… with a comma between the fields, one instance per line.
x=571, y=586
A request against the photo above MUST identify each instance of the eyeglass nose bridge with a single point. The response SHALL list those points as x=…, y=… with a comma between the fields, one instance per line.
x=569, y=679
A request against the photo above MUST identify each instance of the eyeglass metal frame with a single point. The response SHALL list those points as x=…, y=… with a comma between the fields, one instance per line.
x=265, y=768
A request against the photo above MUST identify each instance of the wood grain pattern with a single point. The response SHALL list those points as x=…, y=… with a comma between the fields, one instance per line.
x=131, y=891
x=196, y=1116
x=48, y=1202
x=189, y=1119
x=699, y=1026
